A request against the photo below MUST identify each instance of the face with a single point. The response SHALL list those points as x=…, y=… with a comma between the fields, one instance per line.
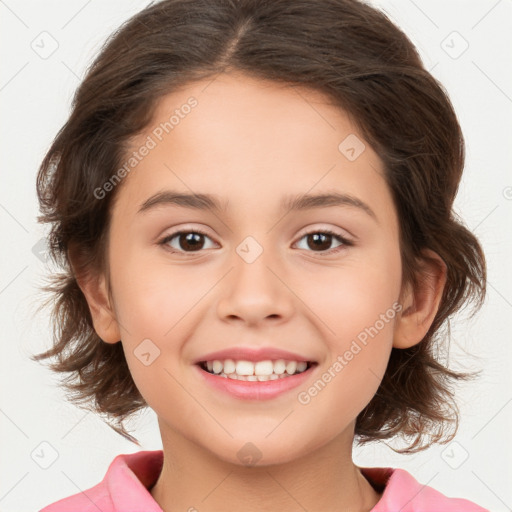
x=255, y=273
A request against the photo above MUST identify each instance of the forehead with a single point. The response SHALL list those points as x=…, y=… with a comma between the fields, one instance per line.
x=240, y=138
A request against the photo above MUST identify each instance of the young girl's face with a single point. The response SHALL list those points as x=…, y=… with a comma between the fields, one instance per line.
x=254, y=279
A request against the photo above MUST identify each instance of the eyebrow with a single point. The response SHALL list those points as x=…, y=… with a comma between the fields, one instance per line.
x=289, y=203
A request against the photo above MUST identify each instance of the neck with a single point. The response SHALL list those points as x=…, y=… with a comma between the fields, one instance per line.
x=195, y=479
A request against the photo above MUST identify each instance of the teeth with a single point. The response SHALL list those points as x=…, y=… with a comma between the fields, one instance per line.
x=229, y=366
x=279, y=367
x=291, y=367
x=263, y=368
x=217, y=366
x=244, y=368
x=259, y=371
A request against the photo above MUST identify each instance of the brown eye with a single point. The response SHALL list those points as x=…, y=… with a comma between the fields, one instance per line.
x=320, y=241
x=187, y=241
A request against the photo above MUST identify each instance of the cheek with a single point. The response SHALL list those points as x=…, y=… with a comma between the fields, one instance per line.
x=354, y=297
x=157, y=303
x=152, y=298
x=358, y=355
x=358, y=311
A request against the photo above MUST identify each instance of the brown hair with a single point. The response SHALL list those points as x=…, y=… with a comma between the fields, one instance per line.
x=345, y=49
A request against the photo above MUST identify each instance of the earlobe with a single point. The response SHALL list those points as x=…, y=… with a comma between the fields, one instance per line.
x=102, y=312
x=420, y=304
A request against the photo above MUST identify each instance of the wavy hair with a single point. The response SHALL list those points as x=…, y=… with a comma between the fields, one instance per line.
x=356, y=57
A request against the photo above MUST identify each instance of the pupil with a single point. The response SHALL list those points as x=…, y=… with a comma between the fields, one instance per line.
x=192, y=239
x=321, y=237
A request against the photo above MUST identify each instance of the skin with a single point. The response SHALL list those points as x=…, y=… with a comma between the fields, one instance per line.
x=251, y=142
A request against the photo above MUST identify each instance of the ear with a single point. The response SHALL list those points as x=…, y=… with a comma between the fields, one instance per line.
x=94, y=287
x=420, y=305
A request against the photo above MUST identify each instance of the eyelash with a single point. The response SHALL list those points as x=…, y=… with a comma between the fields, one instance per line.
x=341, y=239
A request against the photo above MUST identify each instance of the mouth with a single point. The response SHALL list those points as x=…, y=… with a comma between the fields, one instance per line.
x=255, y=371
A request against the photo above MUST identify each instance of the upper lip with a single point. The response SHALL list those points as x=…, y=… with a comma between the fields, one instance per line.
x=252, y=354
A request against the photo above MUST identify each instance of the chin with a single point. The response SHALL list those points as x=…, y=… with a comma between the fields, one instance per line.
x=259, y=452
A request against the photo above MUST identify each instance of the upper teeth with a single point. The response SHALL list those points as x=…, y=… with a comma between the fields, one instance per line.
x=260, y=368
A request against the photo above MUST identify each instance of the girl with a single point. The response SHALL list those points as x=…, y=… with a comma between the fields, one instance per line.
x=252, y=204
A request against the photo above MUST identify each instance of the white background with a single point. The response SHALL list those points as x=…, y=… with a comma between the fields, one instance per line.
x=35, y=95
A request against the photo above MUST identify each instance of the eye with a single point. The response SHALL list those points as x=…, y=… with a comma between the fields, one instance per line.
x=188, y=240
x=319, y=240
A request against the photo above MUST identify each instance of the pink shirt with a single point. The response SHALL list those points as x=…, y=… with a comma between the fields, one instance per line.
x=129, y=476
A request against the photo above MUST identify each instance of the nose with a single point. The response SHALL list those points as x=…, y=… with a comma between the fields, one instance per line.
x=256, y=292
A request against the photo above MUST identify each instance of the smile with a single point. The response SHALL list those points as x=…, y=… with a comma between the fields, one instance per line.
x=260, y=371
x=261, y=380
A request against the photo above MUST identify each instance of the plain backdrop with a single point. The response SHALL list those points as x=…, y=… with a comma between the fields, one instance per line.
x=467, y=45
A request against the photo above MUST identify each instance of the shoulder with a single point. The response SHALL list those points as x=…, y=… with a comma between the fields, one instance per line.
x=91, y=500
x=401, y=491
x=123, y=488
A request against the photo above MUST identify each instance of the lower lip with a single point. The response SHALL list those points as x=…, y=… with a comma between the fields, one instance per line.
x=255, y=390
